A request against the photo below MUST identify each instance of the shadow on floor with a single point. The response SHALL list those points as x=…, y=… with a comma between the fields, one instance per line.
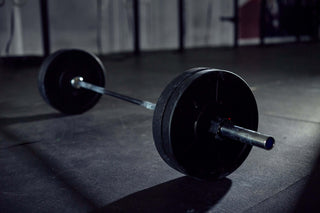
x=5, y=121
x=310, y=198
x=37, y=159
x=184, y=194
x=31, y=118
x=180, y=195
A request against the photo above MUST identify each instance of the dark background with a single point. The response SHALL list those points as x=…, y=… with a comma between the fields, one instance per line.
x=105, y=160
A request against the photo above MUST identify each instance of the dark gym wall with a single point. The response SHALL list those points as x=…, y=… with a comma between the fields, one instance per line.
x=20, y=27
x=107, y=26
x=74, y=24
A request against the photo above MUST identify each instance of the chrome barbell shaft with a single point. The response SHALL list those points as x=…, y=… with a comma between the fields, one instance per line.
x=78, y=83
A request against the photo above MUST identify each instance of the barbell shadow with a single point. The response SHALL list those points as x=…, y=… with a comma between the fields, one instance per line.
x=309, y=200
x=34, y=157
x=4, y=121
x=179, y=195
x=183, y=194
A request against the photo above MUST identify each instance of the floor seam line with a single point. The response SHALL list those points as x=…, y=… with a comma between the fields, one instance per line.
x=288, y=118
x=306, y=176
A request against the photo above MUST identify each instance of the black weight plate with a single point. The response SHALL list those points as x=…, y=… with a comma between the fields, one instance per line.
x=55, y=76
x=204, y=96
x=161, y=107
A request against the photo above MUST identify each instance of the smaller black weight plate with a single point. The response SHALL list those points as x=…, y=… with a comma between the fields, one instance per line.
x=55, y=77
x=185, y=142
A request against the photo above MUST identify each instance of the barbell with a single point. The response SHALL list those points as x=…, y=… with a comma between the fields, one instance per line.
x=204, y=124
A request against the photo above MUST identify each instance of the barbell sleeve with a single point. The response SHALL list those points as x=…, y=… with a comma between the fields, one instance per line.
x=237, y=133
x=78, y=83
x=247, y=136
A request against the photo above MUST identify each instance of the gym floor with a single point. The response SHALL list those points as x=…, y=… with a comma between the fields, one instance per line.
x=105, y=161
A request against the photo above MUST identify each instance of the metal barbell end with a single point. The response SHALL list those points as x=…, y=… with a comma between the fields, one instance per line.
x=226, y=129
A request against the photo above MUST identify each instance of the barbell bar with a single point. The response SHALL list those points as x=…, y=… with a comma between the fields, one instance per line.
x=222, y=129
x=199, y=119
x=77, y=82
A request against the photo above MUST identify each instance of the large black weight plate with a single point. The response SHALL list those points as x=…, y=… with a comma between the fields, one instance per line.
x=161, y=107
x=56, y=73
x=184, y=120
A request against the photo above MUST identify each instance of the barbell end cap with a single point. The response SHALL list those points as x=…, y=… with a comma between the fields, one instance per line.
x=269, y=143
x=148, y=105
x=75, y=82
